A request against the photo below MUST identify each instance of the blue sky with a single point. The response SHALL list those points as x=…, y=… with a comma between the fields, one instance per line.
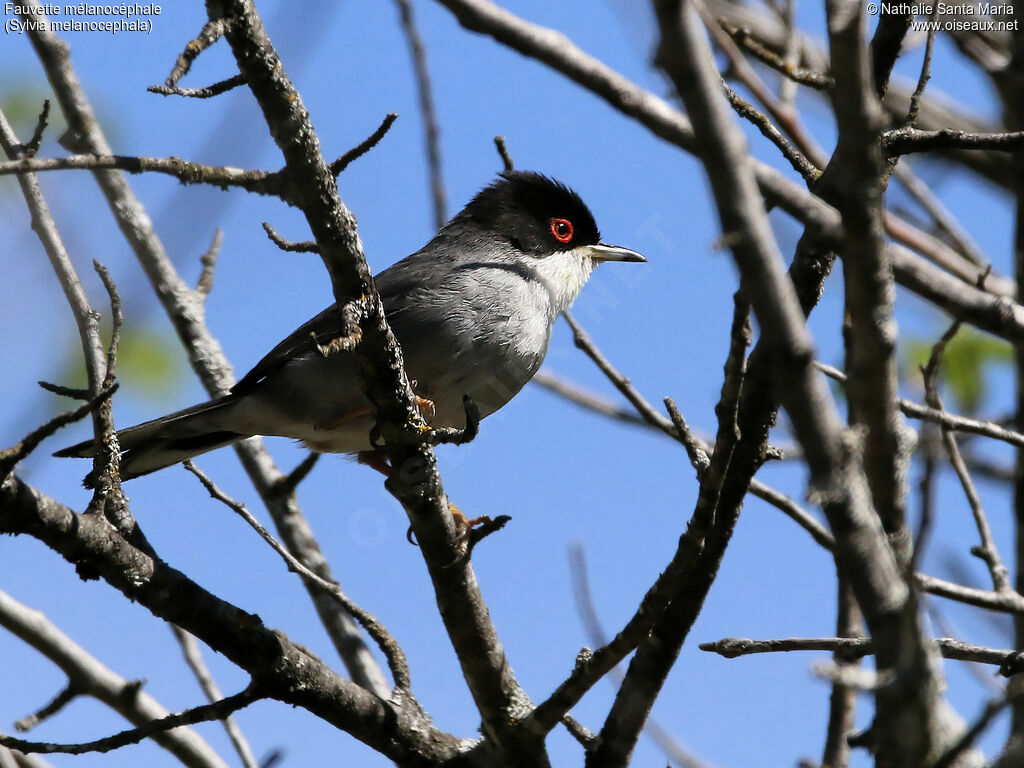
x=567, y=477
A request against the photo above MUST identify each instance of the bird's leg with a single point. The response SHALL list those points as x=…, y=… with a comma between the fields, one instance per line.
x=377, y=460
x=465, y=525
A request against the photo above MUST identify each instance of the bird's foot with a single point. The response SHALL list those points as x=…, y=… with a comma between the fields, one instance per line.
x=426, y=409
x=472, y=530
x=469, y=531
x=464, y=525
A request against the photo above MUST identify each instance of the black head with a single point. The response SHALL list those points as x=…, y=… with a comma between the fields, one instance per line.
x=535, y=214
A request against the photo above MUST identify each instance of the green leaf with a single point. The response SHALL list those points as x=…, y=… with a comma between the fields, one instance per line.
x=965, y=365
x=149, y=364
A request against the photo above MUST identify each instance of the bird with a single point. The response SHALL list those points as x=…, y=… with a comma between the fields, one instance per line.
x=473, y=311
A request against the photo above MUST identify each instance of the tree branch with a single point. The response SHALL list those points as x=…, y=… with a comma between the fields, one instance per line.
x=204, y=352
x=397, y=662
x=415, y=483
x=431, y=131
x=849, y=648
x=194, y=659
x=92, y=678
x=201, y=714
x=282, y=669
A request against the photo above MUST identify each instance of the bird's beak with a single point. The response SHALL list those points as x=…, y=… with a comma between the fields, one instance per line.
x=605, y=252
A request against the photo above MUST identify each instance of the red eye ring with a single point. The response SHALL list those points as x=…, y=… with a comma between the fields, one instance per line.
x=561, y=230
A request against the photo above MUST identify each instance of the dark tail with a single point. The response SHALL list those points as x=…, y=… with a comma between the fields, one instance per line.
x=159, y=443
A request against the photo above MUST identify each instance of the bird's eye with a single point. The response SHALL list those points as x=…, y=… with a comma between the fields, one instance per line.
x=562, y=230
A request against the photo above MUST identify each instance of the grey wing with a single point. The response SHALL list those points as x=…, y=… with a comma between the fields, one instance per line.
x=325, y=327
x=398, y=287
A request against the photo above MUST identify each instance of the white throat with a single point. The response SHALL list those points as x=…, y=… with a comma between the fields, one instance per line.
x=564, y=275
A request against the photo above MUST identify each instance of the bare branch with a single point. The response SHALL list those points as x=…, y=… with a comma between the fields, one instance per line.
x=794, y=73
x=670, y=747
x=903, y=141
x=287, y=484
x=68, y=694
x=850, y=648
x=926, y=72
x=430, y=127
x=87, y=675
x=455, y=435
x=199, y=714
x=194, y=659
x=360, y=149
x=506, y=158
x=307, y=246
x=842, y=703
x=30, y=147
x=392, y=651
x=862, y=551
x=796, y=158
x=285, y=670
x=46, y=229
x=204, y=352
x=209, y=263
x=211, y=32
x=10, y=457
x=867, y=269
x=216, y=89
x=893, y=25
x=260, y=182
x=987, y=551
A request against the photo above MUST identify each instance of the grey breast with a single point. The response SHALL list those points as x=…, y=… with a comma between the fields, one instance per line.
x=476, y=324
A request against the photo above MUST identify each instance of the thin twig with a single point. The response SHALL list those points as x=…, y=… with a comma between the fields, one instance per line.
x=942, y=216
x=967, y=739
x=89, y=675
x=787, y=119
x=796, y=158
x=430, y=127
x=360, y=149
x=987, y=551
x=790, y=55
x=194, y=659
x=67, y=694
x=457, y=435
x=668, y=744
x=75, y=393
x=192, y=716
x=765, y=55
x=32, y=145
x=926, y=72
x=10, y=457
x=260, y=182
x=942, y=418
x=850, y=648
x=397, y=662
x=578, y=731
x=105, y=477
x=215, y=89
x=288, y=483
x=506, y=158
x=306, y=246
x=209, y=264
x=211, y=32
